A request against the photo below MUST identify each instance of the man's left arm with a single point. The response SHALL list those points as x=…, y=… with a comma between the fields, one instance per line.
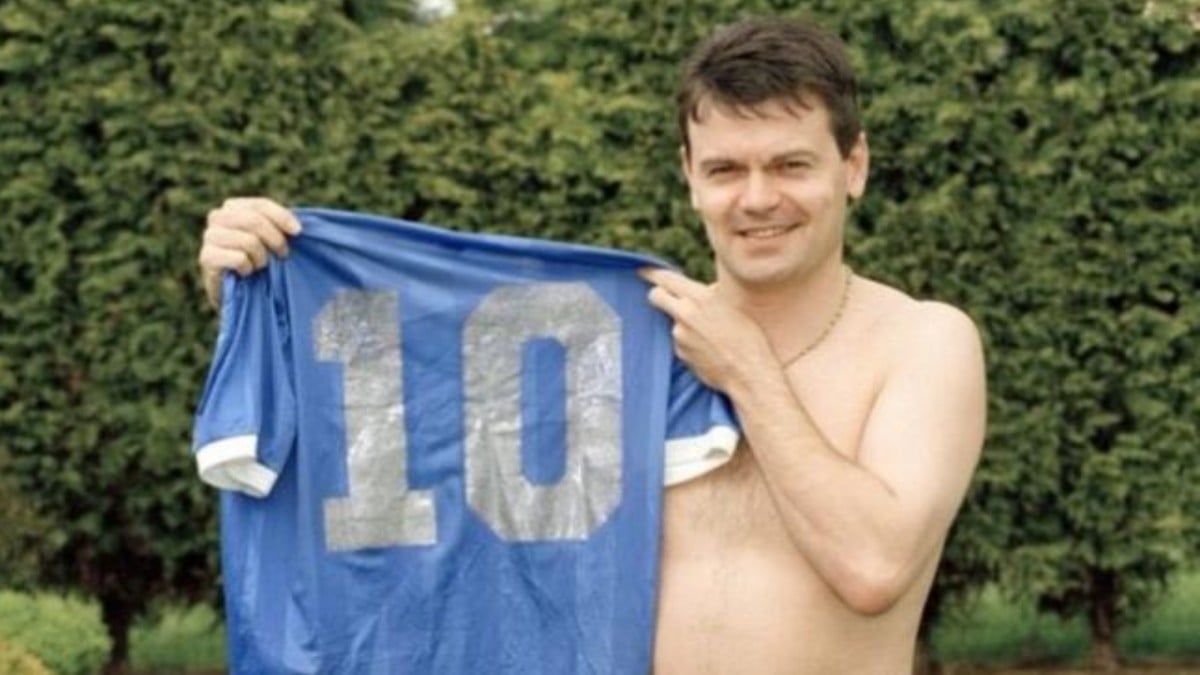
x=870, y=524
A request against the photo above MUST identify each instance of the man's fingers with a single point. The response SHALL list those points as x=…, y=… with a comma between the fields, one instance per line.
x=212, y=286
x=266, y=220
x=674, y=282
x=258, y=260
x=246, y=209
x=667, y=301
x=274, y=239
x=216, y=259
x=228, y=237
x=239, y=235
x=283, y=219
x=654, y=275
x=225, y=239
x=269, y=221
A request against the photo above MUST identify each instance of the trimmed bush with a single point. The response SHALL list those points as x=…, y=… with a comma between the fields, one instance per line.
x=1033, y=163
x=63, y=633
x=17, y=661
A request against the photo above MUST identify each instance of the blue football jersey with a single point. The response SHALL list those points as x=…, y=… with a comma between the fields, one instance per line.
x=444, y=453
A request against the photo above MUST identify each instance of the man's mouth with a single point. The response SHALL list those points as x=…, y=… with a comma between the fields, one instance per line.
x=766, y=232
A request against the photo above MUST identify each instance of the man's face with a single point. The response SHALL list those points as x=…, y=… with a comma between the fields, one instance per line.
x=771, y=188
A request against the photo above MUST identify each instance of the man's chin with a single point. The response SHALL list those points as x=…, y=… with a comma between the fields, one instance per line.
x=760, y=276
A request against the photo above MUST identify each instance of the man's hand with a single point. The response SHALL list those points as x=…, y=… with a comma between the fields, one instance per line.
x=722, y=345
x=238, y=236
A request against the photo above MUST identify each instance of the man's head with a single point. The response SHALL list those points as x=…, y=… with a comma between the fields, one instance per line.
x=772, y=150
x=743, y=67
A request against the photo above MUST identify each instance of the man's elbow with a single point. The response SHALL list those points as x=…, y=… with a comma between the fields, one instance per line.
x=874, y=589
x=870, y=600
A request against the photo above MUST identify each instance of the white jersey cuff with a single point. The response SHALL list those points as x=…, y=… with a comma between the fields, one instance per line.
x=694, y=456
x=231, y=464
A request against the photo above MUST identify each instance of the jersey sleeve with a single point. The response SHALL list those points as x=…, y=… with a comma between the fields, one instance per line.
x=702, y=430
x=245, y=424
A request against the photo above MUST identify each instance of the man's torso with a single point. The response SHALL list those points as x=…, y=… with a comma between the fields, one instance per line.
x=736, y=595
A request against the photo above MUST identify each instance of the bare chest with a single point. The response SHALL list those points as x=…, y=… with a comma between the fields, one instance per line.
x=732, y=504
x=736, y=595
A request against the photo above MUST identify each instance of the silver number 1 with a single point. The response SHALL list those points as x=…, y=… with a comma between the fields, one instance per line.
x=361, y=330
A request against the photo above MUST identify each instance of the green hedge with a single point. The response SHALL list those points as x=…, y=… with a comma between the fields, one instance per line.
x=1033, y=163
x=17, y=661
x=23, y=530
x=65, y=634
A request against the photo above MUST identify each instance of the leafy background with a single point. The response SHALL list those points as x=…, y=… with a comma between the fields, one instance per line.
x=1033, y=162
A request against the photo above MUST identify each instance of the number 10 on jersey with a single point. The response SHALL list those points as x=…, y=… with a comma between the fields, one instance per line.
x=361, y=331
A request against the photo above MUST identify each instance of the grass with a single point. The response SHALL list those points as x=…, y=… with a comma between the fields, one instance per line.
x=66, y=634
x=181, y=640
x=63, y=632
x=996, y=632
x=993, y=632
x=1172, y=630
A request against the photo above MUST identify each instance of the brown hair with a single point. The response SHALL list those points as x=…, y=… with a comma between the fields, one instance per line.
x=759, y=60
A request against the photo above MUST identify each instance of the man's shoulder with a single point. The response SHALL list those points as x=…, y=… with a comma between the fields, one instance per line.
x=937, y=319
x=917, y=326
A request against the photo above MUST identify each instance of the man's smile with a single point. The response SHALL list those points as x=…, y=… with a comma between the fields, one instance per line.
x=766, y=232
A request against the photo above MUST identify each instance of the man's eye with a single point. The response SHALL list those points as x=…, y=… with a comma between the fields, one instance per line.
x=725, y=172
x=796, y=165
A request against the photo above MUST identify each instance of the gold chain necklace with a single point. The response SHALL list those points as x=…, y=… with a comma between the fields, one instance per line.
x=837, y=316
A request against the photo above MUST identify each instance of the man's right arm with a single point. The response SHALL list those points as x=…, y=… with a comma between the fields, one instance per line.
x=239, y=235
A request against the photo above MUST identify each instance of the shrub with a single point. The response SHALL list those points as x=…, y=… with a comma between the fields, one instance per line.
x=17, y=661
x=64, y=633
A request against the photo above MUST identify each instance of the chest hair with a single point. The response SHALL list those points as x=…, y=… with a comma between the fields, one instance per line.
x=732, y=502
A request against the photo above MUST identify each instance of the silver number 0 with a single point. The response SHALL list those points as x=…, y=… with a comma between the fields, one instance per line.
x=575, y=316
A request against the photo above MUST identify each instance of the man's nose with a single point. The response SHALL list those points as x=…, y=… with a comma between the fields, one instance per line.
x=761, y=194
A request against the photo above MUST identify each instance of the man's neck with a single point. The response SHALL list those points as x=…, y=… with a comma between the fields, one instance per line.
x=795, y=313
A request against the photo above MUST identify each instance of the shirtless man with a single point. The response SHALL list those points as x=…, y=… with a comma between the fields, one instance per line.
x=812, y=550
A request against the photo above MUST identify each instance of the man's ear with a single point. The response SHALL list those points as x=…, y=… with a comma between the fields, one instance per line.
x=858, y=165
